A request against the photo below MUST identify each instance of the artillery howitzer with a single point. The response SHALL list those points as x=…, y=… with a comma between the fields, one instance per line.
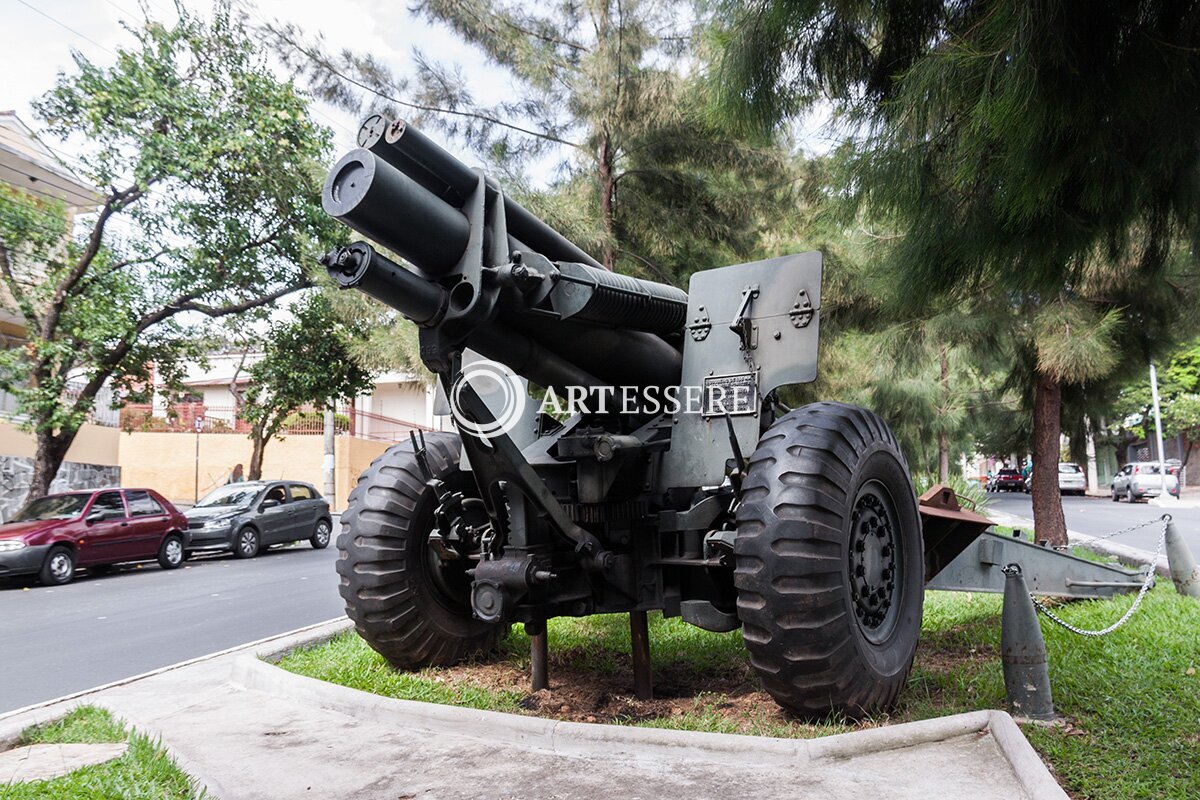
x=726, y=508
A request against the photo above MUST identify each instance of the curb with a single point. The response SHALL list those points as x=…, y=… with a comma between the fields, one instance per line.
x=13, y=723
x=1129, y=556
x=653, y=744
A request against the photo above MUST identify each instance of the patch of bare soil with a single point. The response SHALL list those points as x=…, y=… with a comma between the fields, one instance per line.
x=580, y=694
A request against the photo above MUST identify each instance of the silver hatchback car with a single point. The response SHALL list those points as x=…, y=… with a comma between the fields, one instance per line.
x=1141, y=480
x=1071, y=479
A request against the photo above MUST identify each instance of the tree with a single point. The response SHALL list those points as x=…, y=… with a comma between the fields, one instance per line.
x=1179, y=392
x=307, y=361
x=649, y=185
x=211, y=164
x=1022, y=150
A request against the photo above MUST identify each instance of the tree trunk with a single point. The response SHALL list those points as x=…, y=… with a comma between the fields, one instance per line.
x=1048, y=520
x=258, y=444
x=51, y=451
x=943, y=436
x=608, y=186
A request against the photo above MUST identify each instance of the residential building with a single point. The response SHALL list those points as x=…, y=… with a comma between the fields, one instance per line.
x=28, y=165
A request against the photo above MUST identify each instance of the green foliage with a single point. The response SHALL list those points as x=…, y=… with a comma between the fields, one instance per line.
x=1076, y=343
x=145, y=772
x=212, y=163
x=311, y=420
x=1131, y=698
x=971, y=494
x=86, y=724
x=306, y=361
x=647, y=183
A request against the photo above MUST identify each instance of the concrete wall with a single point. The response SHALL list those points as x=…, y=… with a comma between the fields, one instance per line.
x=92, y=461
x=94, y=444
x=168, y=462
x=17, y=471
x=352, y=456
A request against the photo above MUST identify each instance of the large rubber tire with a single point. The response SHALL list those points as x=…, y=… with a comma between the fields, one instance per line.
x=824, y=476
x=411, y=610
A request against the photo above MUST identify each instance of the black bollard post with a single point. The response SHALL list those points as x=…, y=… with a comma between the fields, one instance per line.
x=1023, y=652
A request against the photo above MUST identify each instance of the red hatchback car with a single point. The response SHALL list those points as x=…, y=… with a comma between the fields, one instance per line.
x=94, y=529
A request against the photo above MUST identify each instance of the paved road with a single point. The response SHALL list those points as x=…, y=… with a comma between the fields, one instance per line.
x=57, y=640
x=1098, y=516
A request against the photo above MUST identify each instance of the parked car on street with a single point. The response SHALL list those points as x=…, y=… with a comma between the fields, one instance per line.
x=1143, y=479
x=1071, y=479
x=251, y=516
x=1008, y=480
x=56, y=534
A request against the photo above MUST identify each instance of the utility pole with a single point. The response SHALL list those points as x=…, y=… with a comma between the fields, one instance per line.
x=1158, y=440
x=199, y=424
x=327, y=464
x=1093, y=479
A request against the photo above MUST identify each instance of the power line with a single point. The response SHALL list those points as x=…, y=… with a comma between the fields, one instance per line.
x=65, y=26
x=254, y=11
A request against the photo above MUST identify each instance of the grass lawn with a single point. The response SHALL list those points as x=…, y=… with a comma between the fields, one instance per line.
x=1130, y=701
x=145, y=772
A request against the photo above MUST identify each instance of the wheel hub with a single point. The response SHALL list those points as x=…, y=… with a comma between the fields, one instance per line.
x=873, y=560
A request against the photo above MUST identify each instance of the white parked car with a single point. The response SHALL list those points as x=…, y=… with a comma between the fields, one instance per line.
x=1071, y=479
x=1143, y=479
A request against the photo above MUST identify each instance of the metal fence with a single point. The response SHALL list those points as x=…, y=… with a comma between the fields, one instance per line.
x=102, y=414
x=202, y=418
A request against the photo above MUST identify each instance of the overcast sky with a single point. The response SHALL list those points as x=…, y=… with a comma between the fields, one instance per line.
x=37, y=36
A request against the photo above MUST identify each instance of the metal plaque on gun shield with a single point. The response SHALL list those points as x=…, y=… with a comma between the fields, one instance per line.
x=735, y=394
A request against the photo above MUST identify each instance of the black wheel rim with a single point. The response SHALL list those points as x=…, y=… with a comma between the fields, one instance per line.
x=876, y=561
x=449, y=580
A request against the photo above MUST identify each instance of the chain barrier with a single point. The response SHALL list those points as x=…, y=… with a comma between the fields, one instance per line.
x=1164, y=519
x=1146, y=584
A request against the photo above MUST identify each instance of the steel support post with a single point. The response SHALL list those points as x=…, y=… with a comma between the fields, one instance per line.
x=539, y=653
x=639, y=634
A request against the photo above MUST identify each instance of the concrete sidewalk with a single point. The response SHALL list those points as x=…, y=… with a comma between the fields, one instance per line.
x=246, y=729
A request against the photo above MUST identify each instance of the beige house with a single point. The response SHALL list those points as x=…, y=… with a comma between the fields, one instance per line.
x=186, y=446
x=27, y=164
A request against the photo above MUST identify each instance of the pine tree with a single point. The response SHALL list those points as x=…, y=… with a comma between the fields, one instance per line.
x=647, y=183
x=1045, y=152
